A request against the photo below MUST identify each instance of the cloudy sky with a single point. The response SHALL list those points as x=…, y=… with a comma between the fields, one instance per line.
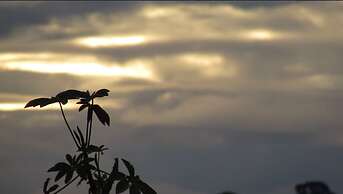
x=205, y=97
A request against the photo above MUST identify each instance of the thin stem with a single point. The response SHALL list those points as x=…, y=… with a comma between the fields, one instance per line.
x=66, y=185
x=87, y=128
x=90, y=125
x=98, y=166
x=65, y=120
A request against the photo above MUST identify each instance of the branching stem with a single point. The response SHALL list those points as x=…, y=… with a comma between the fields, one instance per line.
x=65, y=120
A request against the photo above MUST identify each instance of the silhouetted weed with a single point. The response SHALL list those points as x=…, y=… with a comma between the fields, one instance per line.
x=84, y=165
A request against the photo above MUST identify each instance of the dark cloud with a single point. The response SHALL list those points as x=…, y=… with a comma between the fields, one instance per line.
x=19, y=82
x=18, y=17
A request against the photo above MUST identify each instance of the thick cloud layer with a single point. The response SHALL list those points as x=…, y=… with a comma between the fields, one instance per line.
x=205, y=97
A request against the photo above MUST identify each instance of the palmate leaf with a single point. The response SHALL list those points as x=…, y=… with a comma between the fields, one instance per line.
x=69, y=158
x=101, y=114
x=122, y=186
x=101, y=93
x=145, y=188
x=94, y=148
x=71, y=94
x=69, y=176
x=80, y=138
x=45, y=187
x=83, y=106
x=84, y=101
x=51, y=189
x=115, y=167
x=59, y=166
x=41, y=102
x=115, y=174
x=62, y=168
x=62, y=97
x=60, y=174
x=129, y=167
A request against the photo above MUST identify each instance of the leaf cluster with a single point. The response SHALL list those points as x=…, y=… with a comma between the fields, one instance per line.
x=84, y=165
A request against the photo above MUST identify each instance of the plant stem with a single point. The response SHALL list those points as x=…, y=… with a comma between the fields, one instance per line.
x=90, y=125
x=66, y=185
x=65, y=120
x=98, y=166
x=87, y=128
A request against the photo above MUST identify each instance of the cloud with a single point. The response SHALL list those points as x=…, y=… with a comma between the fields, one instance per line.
x=226, y=93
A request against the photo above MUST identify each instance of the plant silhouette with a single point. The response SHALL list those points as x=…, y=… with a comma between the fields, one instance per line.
x=313, y=187
x=84, y=165
x=227, y=192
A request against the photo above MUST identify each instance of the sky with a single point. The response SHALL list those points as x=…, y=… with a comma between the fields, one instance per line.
x=204, y=96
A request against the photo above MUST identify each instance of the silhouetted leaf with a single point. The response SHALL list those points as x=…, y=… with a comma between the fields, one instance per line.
x=81, y=180
x=52, y=188
x=83, y=101
x=145, y=188
x=59, y=166
x=115, y=168
x=115, y=174
x=102, y=115
x=69, y=176
x=63, y=101
x=101, y=93
x=45, y=187
x=69, y=159
x=60, y=174
x=129, y=167
x=93, y=148
x=77, y=138
x=83, y=143
x=134, y=189
x=41, y=102
x=71, y=94
x=83, y=106
x=122, y=186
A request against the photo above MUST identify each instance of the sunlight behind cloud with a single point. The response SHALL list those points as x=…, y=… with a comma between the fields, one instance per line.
x=25, y=56
x=321, y=81
x=80, y=65
x=11, y=106
x=17, y=106
x=137, y=70
x=95, y=42
x=153, y=12
x=211, y=65
x=205, y=60
x=261, y=35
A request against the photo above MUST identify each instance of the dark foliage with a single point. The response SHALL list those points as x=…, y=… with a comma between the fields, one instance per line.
x=313, y=187
x=84, y=165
